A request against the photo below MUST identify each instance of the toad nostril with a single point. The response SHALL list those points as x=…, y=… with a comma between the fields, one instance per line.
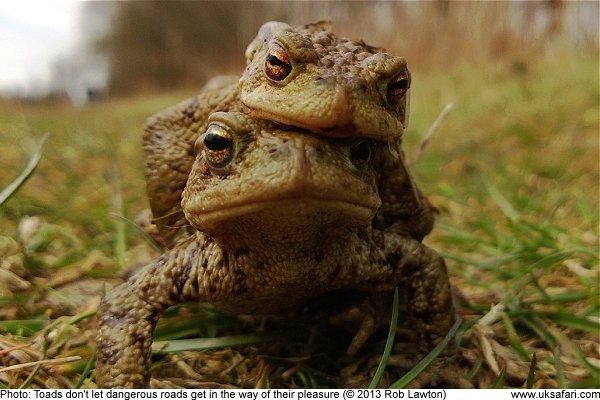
x=280, y=147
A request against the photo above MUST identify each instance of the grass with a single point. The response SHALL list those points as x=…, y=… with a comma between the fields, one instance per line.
x=513, y=170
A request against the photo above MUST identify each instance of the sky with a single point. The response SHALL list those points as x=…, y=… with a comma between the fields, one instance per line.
x=33, y=35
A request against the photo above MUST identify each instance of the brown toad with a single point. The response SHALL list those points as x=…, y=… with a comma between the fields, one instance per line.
x=279, y=216
x=332, y=83
x=310, y=78
x=169, y=154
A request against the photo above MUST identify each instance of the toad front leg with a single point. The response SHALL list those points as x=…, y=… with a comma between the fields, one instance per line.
x=422, y=280
x=126, y=322
x=128, y=314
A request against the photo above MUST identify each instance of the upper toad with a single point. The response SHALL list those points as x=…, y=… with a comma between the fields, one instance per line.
x=310, y=78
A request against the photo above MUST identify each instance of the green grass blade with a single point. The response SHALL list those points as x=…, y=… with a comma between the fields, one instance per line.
x=82, y=316
x=538, y=327
x=535, y=283
x=171, y=346
x=575, y=322
x=388, y=344
x=499, y=381
x=565, y=343
x=141, y=232
x=424, y=363
x=589, y=383
x=507, y=209
x=31, y=326
x=560, y=298
x=513, y=337
x=116, y=205
x=475, y=368
x=86, y=371
x=38, y=366
x=560, y=371
x=30, y=377
x=14, y=186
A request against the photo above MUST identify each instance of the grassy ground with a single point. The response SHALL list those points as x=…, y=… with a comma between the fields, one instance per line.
x=513, y=170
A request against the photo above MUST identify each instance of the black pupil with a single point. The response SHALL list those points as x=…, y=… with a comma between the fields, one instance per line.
x=215, y=142
x=273, y=60
x=360, y=153
x=401, y=84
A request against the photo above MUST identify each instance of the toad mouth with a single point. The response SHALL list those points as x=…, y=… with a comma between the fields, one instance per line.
x=290, y=204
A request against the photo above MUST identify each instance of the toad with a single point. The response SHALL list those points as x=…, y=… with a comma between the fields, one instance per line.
x=278, y=215
x=310, y=78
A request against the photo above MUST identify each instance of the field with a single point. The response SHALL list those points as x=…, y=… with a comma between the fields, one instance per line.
x=513, y=169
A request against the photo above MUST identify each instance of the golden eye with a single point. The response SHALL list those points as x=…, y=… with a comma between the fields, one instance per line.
x=218, y=146
x=277, y=63
x=398, y=86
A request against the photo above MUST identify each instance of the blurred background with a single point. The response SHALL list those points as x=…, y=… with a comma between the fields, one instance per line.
x=88, y=51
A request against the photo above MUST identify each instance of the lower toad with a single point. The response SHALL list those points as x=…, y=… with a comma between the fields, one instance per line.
x=280, y=216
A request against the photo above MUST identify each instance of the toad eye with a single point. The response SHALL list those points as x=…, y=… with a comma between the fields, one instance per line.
x=218, y=145
x=360, y=154
x=277, y=63
x=398, y=86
